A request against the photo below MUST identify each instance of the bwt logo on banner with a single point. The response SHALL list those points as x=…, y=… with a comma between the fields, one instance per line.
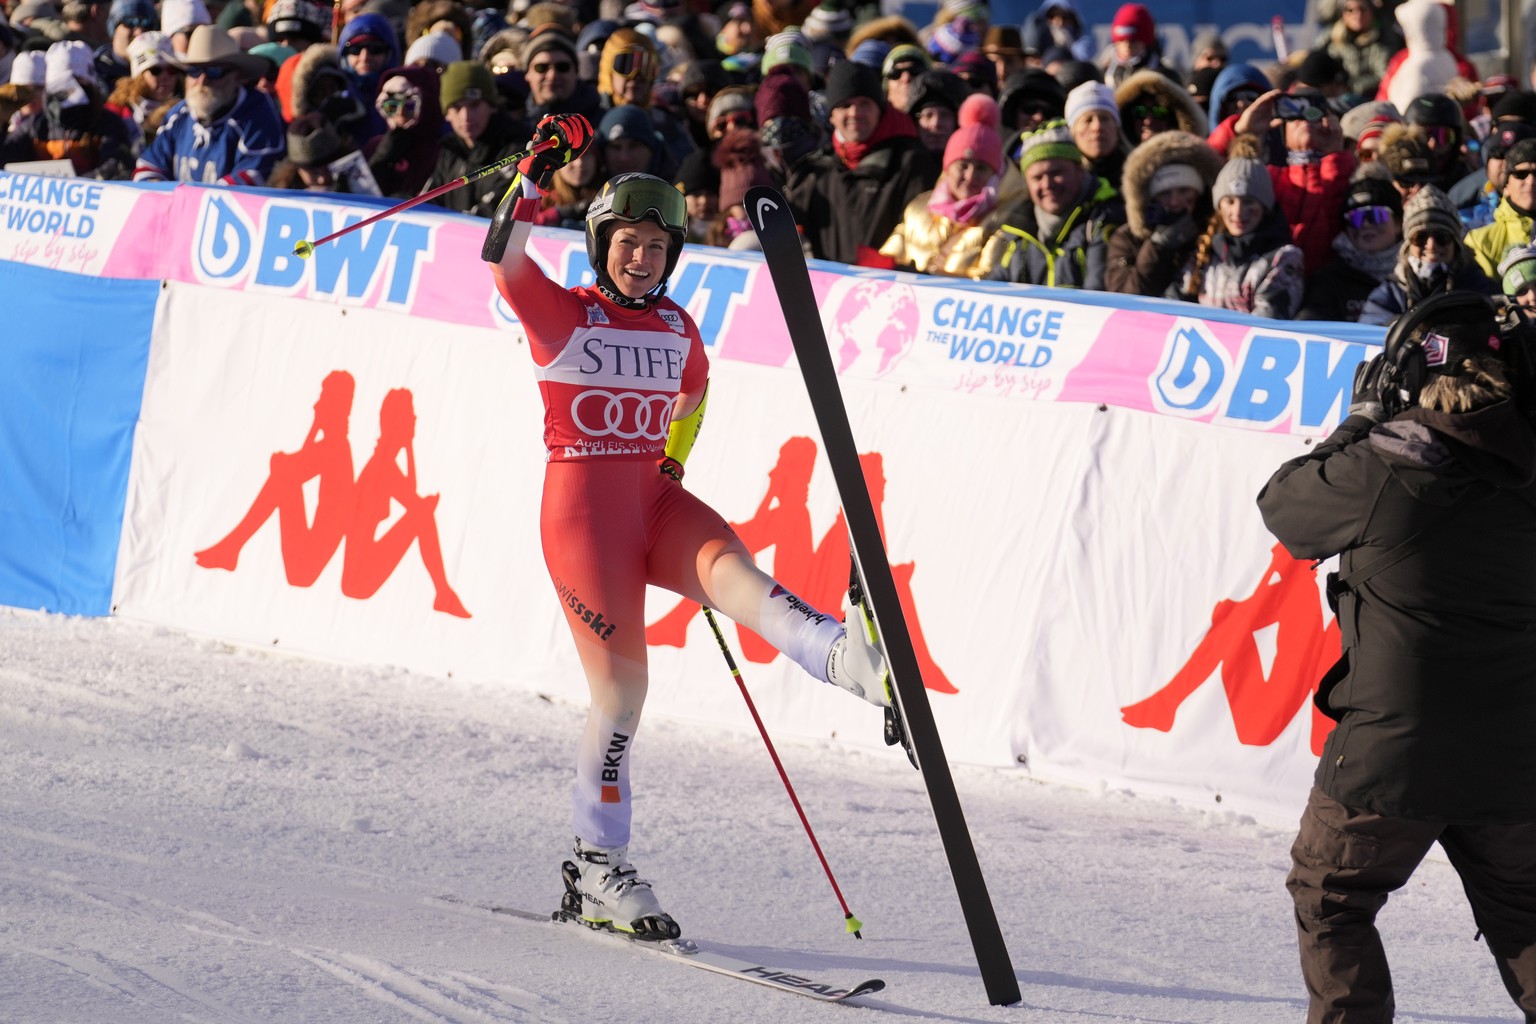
x=228, y=249
x=1274, y=379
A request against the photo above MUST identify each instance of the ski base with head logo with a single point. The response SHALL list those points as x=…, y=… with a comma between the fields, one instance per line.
x=913, y=723
x=689, y=952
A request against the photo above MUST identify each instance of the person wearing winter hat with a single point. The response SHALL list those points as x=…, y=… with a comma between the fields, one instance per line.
x=1167, y=190
x=1056, y=232
x=789, y=48
x=630, y=143
x=410, y=101
x=942, y=231
x=738, y=31
x=901, y=69
x=731, y=108
x=1517, y=275
x=73, y=123
x=313, y=145
x=549, y=62
x=1134, y=46
x=299, y=23
x=978, y=73
x=1480, y=193
x=851, y=193
x=954, y=37
x=935, y=106
x=480, y=132
x=1512, y=218
x=368, y=48
x=739, y=159
x=1431, y=260
x=1245, y=260
x=1055, y=25
x=1094, y=117
x=435, y=50
x=1324, y=72
x=788, y=129
x=1364, y=39
x=1367, y=248
x=1209, y=52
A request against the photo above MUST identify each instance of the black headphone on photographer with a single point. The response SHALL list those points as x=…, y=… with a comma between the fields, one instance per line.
x=1465, y=323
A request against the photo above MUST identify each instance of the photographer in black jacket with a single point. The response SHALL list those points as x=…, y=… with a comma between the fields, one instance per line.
x=1426, y=492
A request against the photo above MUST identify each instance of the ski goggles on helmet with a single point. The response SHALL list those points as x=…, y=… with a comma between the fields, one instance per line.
x=635, y=201
x=635, y=62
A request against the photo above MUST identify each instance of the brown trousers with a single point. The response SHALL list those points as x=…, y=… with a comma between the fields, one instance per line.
x=1344, y=864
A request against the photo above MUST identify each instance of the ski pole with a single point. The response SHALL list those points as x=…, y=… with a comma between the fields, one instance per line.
x=303, y=248
x=853, y=923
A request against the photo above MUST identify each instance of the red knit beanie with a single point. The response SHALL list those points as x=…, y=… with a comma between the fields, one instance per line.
x=1133, y=23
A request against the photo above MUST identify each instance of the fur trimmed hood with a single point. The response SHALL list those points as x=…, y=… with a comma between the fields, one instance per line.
x=1166, y=148
x=1186, y=112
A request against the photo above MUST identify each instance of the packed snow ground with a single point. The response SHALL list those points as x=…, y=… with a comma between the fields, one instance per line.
x=195, y=833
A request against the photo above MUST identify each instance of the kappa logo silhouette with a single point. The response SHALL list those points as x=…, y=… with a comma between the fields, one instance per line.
x=346, y=509
x=1304, y=649
x=817, y=570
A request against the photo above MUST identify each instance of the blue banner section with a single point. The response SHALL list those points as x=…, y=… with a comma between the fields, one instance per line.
x=73, y=355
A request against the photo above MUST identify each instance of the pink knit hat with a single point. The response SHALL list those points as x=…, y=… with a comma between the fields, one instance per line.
x=977, y=137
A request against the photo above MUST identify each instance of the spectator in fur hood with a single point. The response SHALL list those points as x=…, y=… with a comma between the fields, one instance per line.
x=1167, y=190
x=851, y=193
x=1150, y=103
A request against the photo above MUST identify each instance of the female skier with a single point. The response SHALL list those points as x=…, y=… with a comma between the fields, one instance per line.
x=623, y=375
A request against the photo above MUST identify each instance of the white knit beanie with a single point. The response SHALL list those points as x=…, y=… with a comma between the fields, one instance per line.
x=1091, y=96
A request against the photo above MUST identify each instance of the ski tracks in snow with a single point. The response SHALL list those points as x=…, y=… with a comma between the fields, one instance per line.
x=150, y=989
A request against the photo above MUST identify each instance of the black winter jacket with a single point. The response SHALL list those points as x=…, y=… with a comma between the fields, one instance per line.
x=842, y=209
x=1437, y=706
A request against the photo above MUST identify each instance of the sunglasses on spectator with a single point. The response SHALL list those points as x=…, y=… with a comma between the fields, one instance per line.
x=212, y=72
x=374, y=49
x=162, y=71
x=632, y=63
x=901, y=71
x=1036, y=108
x=148, y=24
x=1146, y=112
x=738, y=119
x=1440, y=238
x=1522, y=174
x=1360, y=216
x=559, y=67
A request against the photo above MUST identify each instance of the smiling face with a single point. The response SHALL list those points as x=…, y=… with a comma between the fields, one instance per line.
x=637, y=257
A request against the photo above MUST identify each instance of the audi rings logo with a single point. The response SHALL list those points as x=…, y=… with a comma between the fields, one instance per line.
x=628, y=414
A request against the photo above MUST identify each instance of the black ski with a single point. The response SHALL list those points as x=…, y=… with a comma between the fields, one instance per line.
x=780, y=240
x=689, y=952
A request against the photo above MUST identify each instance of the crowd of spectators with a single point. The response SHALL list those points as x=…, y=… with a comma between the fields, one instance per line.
x=1346, y=182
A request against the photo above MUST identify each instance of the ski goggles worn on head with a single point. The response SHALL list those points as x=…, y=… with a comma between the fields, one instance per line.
x=645, y=200
x=1360, y=216
x=633, y=63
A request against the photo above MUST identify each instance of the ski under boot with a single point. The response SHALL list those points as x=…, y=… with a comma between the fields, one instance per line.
x=604, y=891
x=859, y=614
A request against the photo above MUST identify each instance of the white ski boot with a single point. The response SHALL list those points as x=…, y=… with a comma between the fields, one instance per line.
x=604, y=891
x=856, y=664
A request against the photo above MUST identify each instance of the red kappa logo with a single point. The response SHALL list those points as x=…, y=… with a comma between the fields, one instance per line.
x=346, y=509
x=817, y=572
x=1261, y=708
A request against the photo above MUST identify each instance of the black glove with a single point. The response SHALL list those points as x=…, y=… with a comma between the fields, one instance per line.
x=1176, y=233
x=1365, y=400
x=572, y=133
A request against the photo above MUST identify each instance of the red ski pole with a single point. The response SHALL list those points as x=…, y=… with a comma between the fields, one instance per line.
x=303, y=249
x=853, y=923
